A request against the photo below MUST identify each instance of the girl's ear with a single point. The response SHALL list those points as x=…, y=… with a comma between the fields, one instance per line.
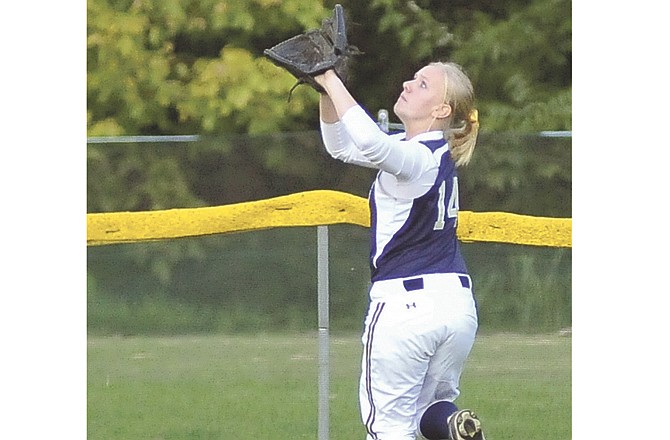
x=442, y=111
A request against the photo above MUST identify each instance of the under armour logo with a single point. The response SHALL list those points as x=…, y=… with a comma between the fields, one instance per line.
x=411, y=305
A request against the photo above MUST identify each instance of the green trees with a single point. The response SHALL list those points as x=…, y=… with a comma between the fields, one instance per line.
x=179, y=66
x=171, y=66
x=521, y=64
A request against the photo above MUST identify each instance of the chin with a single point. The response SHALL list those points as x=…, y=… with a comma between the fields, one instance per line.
x=395, y=110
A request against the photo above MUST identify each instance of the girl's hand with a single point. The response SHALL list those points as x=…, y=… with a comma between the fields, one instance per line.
x=325, y=78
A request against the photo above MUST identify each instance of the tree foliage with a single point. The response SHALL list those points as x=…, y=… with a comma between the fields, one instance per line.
x=175, y=66
x=196, y=66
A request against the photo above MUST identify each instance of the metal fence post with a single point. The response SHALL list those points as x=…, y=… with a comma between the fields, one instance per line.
x=323, y=323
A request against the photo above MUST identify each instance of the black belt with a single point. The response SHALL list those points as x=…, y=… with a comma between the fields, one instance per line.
x=417, y=283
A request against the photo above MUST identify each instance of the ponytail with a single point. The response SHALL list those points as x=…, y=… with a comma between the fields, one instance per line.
x=462, y=140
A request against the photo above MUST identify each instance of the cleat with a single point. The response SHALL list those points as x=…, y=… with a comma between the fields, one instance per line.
x=464, y=425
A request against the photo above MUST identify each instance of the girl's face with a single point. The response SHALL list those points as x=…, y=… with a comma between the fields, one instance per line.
x=422, y=97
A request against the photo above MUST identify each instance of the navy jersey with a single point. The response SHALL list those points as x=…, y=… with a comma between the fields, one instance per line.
x=417, y=236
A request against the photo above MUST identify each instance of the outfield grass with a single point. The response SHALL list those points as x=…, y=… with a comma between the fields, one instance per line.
x=265, y=387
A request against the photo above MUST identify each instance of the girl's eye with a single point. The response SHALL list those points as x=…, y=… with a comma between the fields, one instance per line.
x=423, y=84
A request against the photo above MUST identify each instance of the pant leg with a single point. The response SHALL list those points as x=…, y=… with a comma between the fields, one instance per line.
x=402, y=332
x=446, y=366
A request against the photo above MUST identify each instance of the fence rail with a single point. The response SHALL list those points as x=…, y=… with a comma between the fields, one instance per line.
x=382, y=120
x=311, y=208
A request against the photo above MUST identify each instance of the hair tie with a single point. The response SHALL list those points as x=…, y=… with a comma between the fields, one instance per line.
x=473, y=117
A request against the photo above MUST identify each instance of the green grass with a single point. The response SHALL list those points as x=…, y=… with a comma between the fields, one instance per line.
x=265, y=387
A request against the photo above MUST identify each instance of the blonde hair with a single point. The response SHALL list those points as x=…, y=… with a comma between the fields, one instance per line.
x=461, y=127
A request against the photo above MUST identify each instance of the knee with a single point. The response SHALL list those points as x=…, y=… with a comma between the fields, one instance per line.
x=433, y=421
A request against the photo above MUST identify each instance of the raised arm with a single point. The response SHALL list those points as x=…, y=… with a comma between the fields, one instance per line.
x=335, y=137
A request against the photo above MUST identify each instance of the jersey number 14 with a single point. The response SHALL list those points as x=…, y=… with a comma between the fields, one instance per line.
x=450, y=210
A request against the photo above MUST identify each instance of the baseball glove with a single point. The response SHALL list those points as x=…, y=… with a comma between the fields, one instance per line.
x=315, y=51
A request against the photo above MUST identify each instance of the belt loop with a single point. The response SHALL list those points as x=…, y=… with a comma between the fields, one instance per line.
x=465, y=281
x=413, y=284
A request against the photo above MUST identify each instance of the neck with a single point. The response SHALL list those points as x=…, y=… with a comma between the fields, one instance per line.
x=415, y=128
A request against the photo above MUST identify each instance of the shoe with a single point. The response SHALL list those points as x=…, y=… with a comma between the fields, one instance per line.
x=464, y=425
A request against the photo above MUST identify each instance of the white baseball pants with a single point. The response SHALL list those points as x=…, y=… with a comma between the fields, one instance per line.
x=418, y=333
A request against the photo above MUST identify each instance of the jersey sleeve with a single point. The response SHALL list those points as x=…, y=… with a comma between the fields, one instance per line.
x=407, y=161
x=340, y=146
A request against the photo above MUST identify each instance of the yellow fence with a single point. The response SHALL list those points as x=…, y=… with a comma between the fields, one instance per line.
x=311, y=208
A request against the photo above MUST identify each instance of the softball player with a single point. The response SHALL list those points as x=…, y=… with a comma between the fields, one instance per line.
x=422, y=319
